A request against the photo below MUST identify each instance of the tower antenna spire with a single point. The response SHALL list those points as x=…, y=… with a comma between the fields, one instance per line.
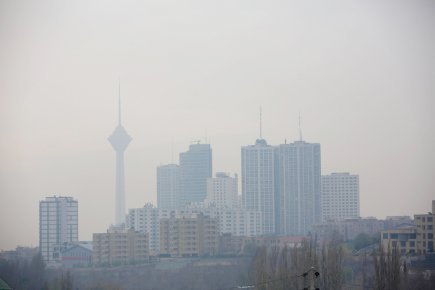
x=119, y=101
x=261, y=125
x=300, y=130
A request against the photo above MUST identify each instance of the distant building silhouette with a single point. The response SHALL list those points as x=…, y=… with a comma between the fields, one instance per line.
x=119, y=246
x=222, y=191
x=119, y=140
x=195, y=168
x=340, y=196
x=168, y=186
x=297, y=187
x=258, y=184
x=58, y=225
x=189, y=235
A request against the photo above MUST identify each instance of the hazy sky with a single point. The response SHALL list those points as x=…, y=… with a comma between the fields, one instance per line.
x=362, y=74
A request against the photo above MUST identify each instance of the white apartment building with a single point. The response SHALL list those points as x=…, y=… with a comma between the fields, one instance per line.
x=147, y=220
x=298, y=204
x=222, y=191
x=258, y=182
x=168, y=186
x=340, y=196
x=58, y=225
x=236, y=221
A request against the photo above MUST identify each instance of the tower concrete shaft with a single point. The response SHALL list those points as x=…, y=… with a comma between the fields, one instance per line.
x=119, y=140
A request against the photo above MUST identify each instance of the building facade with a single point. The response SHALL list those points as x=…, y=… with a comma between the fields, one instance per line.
x=258, y=182
x=168, y=186
x=235, y=221
x=195, y=168
x=222, y=191
x=425, y=224
x=298, y=190
x=192, y=235
x=58, y=225
x=120, y=246
x=340, y=196
x=77, y=255
x=404, y=239
x=147, y=220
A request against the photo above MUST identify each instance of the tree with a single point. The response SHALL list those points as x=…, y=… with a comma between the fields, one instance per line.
x=387, y=268
x=331, y=265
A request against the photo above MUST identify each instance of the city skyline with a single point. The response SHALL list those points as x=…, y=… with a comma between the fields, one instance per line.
x=360, y=74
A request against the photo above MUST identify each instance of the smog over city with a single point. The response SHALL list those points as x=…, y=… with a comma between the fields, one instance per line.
x=227, y=143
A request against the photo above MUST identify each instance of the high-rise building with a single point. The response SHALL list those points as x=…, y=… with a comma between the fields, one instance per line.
x=297, y=187
x=195, y=168
x=258, y=184
x=340, y=196
x=222, y=191
x=168, y=186
x=119, y=140
x=58, y=225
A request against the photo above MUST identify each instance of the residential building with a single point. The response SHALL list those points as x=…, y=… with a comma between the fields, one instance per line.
x=168, y=186
x=340, y=196
x=222, y=191
x=58, y=225
x=235, y=221
x=190, y=235
x=147, y=220
x=425, y=224
x=119, y=246
x=297, y=187
x=258, y=184
x=195, y=168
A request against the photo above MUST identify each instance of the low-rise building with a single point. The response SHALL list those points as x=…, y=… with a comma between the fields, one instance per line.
x=392, y=222
x=230, y=245
x=189, y=235
x=20, y=253
x=277, y=242
x=425, y=224
x=348, y=229
x=78, y=254
x=120, y=246
x=402, y=238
